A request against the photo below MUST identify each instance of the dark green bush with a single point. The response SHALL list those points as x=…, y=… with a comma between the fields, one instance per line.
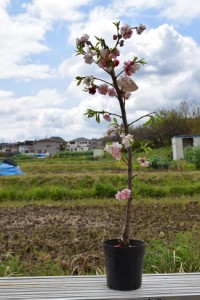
x=73, y=154
x=159, y=163
x=104, y=190
x=192, y=155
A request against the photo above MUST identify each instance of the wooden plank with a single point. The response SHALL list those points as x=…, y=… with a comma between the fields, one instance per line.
x=155, y=286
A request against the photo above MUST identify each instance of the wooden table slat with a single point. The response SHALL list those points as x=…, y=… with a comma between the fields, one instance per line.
x=155, y=286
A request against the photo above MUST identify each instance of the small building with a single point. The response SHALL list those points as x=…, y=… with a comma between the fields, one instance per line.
x=80, y=144
x=180, y=142
x=98, y=153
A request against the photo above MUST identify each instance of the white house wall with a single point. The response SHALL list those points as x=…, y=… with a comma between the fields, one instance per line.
x=177, y=148
x=196, y=141
x=178, y=145
x=174, y=149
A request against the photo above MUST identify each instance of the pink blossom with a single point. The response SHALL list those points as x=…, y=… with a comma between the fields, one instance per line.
x=104, y=52
x=92, y=90
x=112, y=131
x=115, y=150
x=107, y=118
x=127, y=140
x=88, y=80
x=140, y=29
x=114, y=53
x=88, y=58
x=143, y=161
x=105, y=63
x=103, y=89
x=111, y=92
x=107, y=57
x=83, y=39
x=130, y=67
x=116, y=63
x=123, y=195
x=126, y=31
x=126, y=84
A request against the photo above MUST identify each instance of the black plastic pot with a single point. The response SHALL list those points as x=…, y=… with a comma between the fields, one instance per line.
x=124, y=265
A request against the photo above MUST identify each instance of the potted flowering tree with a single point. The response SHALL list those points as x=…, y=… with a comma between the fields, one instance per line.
x=124, y=257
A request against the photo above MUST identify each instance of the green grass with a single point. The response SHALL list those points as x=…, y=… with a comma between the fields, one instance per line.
x=99, y=184
x=181, y=254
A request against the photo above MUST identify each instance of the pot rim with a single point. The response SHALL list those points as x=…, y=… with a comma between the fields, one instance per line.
x=134, y=243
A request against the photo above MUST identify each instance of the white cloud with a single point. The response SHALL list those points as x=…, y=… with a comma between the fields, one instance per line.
x=181, y=10
x=43, y=115
x=4, y=3
x=165, y=81
x=167, y=77
x=51, y=10
x=172, y=72
x=23, y=37
x=177, y=10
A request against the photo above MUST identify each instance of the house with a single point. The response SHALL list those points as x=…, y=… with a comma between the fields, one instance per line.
x=80, y=144
x=9, y=148
x=51, y=145
x=26, y=147
x=180, y=142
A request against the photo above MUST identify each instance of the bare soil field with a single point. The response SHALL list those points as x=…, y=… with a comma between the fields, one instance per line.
x=71, y=236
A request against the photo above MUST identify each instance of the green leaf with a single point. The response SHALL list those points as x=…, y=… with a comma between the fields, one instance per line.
x=135, y=58
x=142, y=62
x=152, y=120
x=79, y=80
x=98, y=118
x=117, y=24
x=115, y=120
x=89, y=113
x=98, y=39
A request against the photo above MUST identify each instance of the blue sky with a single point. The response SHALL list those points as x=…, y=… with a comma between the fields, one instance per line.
x=38, y=94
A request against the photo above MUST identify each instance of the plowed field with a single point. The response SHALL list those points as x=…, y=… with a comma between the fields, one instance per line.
x=72, y=236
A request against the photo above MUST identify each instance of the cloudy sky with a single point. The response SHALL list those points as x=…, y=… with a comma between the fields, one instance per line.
x=38, y=94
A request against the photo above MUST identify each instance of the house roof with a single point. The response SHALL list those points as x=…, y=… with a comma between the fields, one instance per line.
x=186, y=136
x=81, y=139
x=28, y=143
x=52, y=139
x=57, y=139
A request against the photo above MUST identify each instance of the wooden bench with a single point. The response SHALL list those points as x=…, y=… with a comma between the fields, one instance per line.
x=155, y=286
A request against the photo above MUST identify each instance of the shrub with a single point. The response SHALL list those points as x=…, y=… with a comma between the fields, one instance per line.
x=192, y=155
x=157, y=162
x=77, y=154
x=104, y=190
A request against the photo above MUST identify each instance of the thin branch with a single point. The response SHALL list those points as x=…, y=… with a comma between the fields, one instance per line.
x=147, y=115
x=106, y=112
x=103, y=81
x=125, y=160
x=120, y=73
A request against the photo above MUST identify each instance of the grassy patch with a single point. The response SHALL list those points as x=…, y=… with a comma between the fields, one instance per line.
x=181, y=254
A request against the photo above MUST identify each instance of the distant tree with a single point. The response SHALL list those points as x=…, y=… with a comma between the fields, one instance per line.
x=185, y=119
